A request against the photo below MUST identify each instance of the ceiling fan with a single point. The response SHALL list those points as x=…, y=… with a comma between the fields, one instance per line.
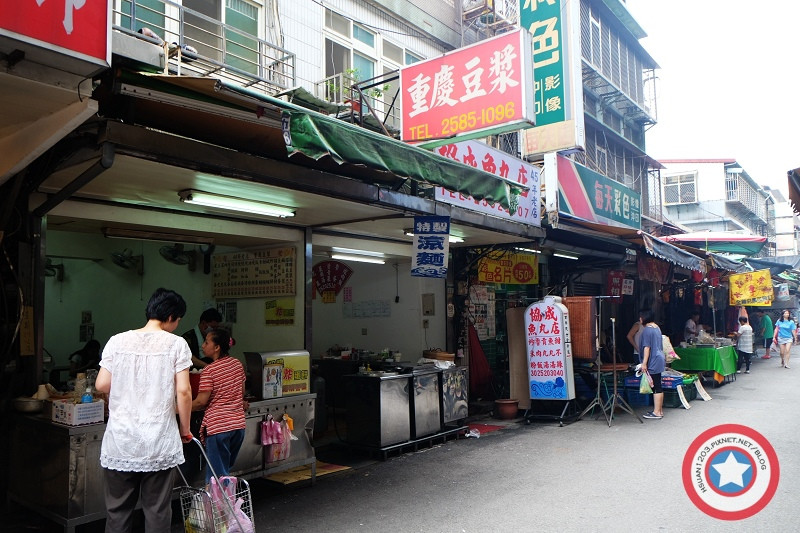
x=54, y=271
x=177, y=255
x=125, y=259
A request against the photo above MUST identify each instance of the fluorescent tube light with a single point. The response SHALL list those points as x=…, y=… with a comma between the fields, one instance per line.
x=145, y=235
x=528, y=250
x=450, y=238
x=231, y=203
x=359, y=258
x=565, y=255
x=352, y=251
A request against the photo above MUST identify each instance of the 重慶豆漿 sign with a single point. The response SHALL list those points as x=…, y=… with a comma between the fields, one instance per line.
x=470, y=92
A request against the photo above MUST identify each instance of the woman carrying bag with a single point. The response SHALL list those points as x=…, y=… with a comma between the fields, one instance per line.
x=651, y=357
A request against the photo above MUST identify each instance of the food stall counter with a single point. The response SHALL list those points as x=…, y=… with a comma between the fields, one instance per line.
x=721, y=360
x=56, y=469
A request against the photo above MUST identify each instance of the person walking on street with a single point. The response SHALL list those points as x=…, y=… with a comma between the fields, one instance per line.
x=145, y=373
x=651, y=356
x=785, y=336
x=744, y=345
x=767, y=331
x=222, y=390
x=209, y=319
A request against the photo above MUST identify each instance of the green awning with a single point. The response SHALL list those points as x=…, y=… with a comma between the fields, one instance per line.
x=317, y=136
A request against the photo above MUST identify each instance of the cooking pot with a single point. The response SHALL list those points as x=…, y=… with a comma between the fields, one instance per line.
x=28, y=405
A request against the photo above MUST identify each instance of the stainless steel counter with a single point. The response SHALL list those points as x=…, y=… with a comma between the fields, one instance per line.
x=378, y=409
x=56, y=470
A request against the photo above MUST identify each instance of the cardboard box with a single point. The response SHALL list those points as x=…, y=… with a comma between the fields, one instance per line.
x=77, y=414
x=296, y=373
x=272, y=380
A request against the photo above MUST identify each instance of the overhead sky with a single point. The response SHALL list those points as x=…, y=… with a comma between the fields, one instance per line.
x=729, y=82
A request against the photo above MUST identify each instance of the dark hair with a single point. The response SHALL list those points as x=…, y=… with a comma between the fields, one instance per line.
x=210, y=315
x=742, y=320
x=222, y=338
x=647, y=316
x=164, y=304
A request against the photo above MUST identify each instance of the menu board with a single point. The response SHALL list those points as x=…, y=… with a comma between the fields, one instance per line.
x=255, y=274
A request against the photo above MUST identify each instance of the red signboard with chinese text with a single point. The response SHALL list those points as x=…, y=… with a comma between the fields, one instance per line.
x=77, y=28
x=329, y=278
x=470, y=92
x=614, y=284
x=479, y=155
x=549, y=350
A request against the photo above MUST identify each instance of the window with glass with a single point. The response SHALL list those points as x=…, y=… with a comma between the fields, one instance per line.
x=355, y=53
x=680, y=189
x=235, y=43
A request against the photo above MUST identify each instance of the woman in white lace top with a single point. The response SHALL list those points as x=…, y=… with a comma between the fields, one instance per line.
x=145, y=372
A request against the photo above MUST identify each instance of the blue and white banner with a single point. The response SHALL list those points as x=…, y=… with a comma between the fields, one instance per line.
x=431, y=246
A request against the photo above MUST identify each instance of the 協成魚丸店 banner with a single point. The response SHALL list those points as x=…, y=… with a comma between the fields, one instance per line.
x=549, y=349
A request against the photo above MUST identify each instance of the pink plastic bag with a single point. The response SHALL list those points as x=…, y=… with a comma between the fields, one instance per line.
x=238, y=522
x=283, y=449
x=271, y=432
x=242, y=522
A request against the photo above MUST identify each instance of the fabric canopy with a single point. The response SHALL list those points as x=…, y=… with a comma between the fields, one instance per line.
x=720, y=242
x=794, y=189
x=673, y=254
x=775, y=267
x=719, y=261
x=318, y=136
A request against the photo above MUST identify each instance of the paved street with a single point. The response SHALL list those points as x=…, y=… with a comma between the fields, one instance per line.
x=541, y=477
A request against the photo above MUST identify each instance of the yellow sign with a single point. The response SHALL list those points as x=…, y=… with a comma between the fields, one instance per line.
x=279, y=312
x=751, y=288
x=520, y=269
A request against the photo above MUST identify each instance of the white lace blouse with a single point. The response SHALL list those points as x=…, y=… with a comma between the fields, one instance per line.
x=142, y=433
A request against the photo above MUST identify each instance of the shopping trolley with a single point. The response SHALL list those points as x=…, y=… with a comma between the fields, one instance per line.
x=216, y=510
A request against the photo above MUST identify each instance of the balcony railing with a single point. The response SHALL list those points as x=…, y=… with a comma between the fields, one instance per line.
x=199, y=45
x=371, y=103
x=738, y=191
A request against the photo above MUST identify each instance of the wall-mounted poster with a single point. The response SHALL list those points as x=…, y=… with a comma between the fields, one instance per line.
x=549, y=350
x=279, y=312
x=329, y=279
x=255, y=274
